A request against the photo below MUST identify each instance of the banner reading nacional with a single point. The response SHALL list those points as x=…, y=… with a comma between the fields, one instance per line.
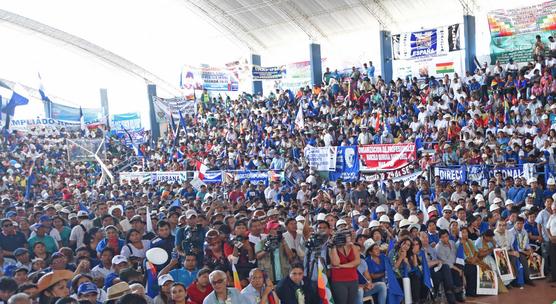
x=264, y=73
x=431, y=42
x=386, y=157
x=513, y=31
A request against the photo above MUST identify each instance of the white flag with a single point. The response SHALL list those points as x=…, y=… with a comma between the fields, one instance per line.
x=299, y=122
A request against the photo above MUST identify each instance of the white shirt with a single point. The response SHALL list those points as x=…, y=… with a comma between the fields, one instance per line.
x=295, y=244
x=77, y=234
x=130, y=250
x=552, y=224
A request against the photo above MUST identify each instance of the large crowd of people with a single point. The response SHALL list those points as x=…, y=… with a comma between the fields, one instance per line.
x=69, y=234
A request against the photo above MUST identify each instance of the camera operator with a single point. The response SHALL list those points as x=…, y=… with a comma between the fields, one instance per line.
x=272, y=253
x=191, y=237
x=316, y=249
x=240, y=251
x=344, y=259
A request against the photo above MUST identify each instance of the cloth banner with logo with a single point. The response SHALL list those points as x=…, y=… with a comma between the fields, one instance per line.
x=426, y=43
x=165, y=106
x=347, y=164
x=513, y=31
x=450, y=174
x=398, y=174
x=39, y=125
x=386, y=157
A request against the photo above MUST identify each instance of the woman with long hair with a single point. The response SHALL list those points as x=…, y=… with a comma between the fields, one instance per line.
x=91, y=240
x=419, y=291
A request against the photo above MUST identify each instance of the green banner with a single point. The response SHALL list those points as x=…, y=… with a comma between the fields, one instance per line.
x=517, y=47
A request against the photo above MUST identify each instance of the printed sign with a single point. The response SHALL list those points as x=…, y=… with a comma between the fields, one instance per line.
x=347, y=164
x=386, y=157
x=431, y=42
x=261, y=73
x=321, y=158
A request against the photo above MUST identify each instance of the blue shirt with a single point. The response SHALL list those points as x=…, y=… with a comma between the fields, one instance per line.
x=376, y=268
x=184, y=276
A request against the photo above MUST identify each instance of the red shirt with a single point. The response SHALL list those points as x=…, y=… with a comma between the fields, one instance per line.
x=344, y=274
x=195, y=295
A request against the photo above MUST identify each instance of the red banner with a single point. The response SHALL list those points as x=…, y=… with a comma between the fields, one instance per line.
x=386, y=157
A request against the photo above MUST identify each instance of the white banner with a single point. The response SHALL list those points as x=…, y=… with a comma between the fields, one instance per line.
x=39, y=125
x=426, y=43
x=166, y=106
x=321, y=158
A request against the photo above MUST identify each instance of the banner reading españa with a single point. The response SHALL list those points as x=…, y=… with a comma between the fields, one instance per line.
x=386, y=157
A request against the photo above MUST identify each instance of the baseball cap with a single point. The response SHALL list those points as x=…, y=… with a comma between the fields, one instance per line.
x=189, y=213
x=299, y=218
x=164, y=278
x=431, y=209
x=20, y=251
x=447, y=208
x=136, y=218
x=340, y=222
x=494, y=207
x=361, y=218
x=384, y=219
x=82, y=213
x=380, y=209
x=11, y=213
x=374, y=224
x=398, y=217
x=404, y=223
x=272, y=212
x=87, y=288
x=118, y=259
x=44, y=218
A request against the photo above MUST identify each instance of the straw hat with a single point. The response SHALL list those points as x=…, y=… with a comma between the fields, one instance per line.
x=117, y=291
x=52, y=278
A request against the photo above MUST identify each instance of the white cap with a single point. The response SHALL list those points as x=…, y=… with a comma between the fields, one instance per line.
x=551, y=181
x=272, y=212
x=404, y=223
x=321, y=217
x=340, y=222
x=494, y=207
x=164, y=278
x=189, y=213
x=398, y=217
x=117, y=259
x=447, y=208
x=416, y=226
x=413, y=219
x=479, y=197
x=374, y=224
x=380, y=209
x=299, y=218
x=82, y=213
x=361, y=218
x=531, y=180
x=431, y=209
x=497, y=200
x=384, y=219
x=528, y=141
x=544, y=116
x=509, y=202
x=458, y=208
x=354, y=213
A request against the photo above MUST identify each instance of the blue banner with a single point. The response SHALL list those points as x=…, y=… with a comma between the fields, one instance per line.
x=252, y=176
x=67, y=113
x=347, y=164
x=130, y=121
x=212, y=177
x=450, y=174
x=475, y=173
x=507, y=172
x=423, y=43
x=260, y=73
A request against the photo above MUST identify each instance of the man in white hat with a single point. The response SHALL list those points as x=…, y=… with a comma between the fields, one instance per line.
x=550, y=188
x=444, y=221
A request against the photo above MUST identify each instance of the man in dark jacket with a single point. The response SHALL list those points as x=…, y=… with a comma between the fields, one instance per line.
x=291, y=290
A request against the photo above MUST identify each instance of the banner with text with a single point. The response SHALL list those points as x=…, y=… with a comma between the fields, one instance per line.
x=347, y=164
x=513, y=31
x=67, y=113
x=42, y=125
x=386, y=157
x=209, y=77
x=321, y=158
x=431, y=42
x=264, y=73
x=386, y=175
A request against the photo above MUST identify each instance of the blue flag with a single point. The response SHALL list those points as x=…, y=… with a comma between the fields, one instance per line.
x=520, y=276
x=30, y=181
x=426, y=271
x=460, y=255
x=176, y=203
x=391, y=245
x=395, y=292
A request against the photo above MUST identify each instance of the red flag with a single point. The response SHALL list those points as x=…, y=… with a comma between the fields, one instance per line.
x=201, y=170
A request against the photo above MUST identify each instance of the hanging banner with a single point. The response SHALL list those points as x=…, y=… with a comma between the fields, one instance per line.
x=427, y=43
x=437, y=66
x=386, y=157
x=321, y=158
x=208, y=77
x=141, y=177
x=212, y=177
x=506, y=172
x=67, y=113
x=513, y=31
x=163, y=107
x=347, y=164
x=392, y=174
x=253, y=176
x=475, y=174
x=263, y=73
x=129, y=121
x=176, y=176
x=450, y=174
x=36, y=126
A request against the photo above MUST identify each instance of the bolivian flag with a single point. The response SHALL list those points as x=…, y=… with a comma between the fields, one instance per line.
x=445, y=67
